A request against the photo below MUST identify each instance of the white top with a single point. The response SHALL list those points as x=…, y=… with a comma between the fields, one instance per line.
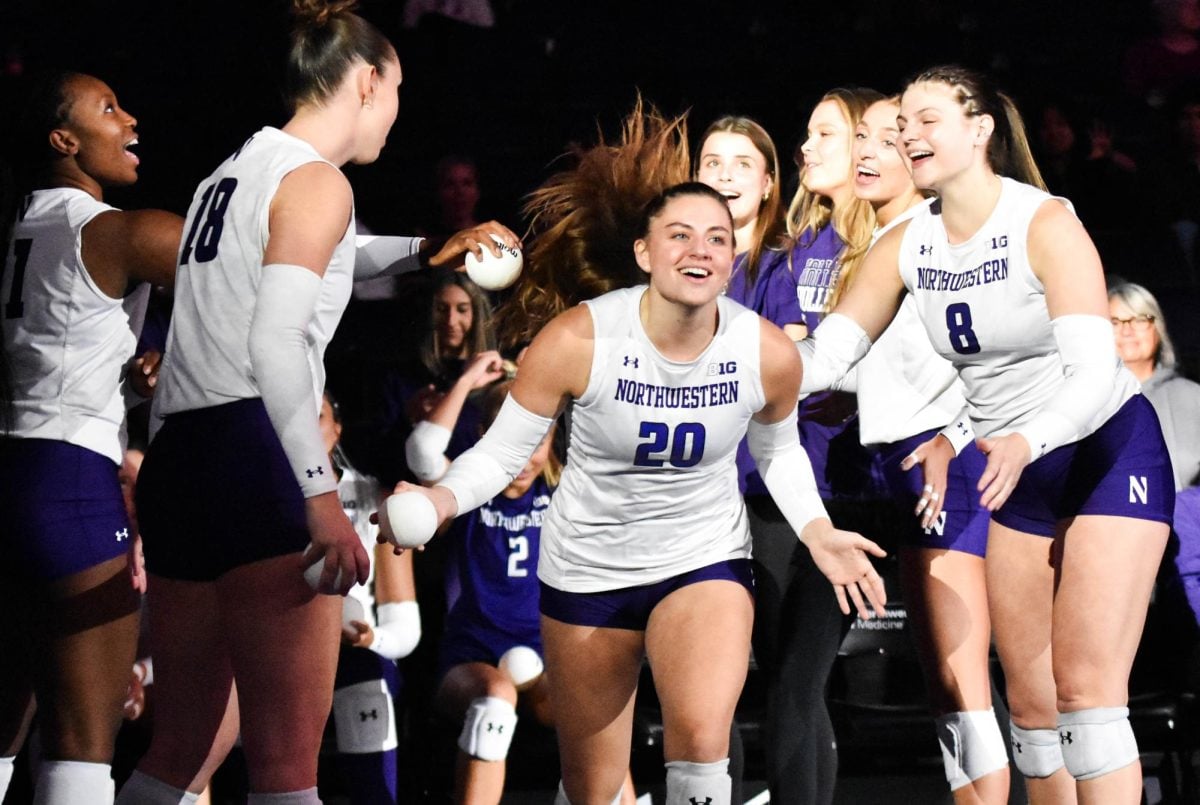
x=650, y=487
x=904, y=386
x=67, y=342
x=985, y=311
x=207, y=360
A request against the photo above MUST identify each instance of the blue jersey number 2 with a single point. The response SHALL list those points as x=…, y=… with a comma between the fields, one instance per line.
x=683, y=448
x=958, y=321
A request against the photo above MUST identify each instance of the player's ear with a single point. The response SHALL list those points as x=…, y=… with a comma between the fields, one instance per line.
x=641, y=253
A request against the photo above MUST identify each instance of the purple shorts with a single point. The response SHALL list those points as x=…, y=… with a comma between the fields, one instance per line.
x=61, y=509
x=216, y=492
x=963, y=523
x=1121, y=470
x=630, y=607
x=467, y=639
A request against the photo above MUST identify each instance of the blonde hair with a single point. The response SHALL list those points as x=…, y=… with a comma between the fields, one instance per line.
x=1008, y=151
x=1138, y=299
x=584, y=221
x=853, y=221
x=769, y=228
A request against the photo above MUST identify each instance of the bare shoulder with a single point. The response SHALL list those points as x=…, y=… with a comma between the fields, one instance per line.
x=309, y=215
x=558, y=363
x=316, y=183
x=1054, y=220
x=121, y=246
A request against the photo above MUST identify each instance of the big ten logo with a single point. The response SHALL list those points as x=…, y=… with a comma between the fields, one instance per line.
x=723, y=368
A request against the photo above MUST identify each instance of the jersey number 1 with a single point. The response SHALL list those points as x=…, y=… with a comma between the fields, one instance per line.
x=209, y=222
x=15, y=308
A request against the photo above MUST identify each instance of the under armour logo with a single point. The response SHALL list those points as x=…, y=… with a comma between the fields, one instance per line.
x=926, y=249
x=373, y=715
x=122, y=535
x=631, y=362
x=962, y=427
x=1065, y=737
x=694, y=801
x=315, y=472
x=1016, y=745
x=496, y=728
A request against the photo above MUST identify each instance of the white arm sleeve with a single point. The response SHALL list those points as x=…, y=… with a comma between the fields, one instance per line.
x=287, y=297
x=831, y=351
x=1089, y=357
x=398, y=630
x=425, y=450
x=959, y=432
x=385, y=255
x=482, y=472
x=786, y=470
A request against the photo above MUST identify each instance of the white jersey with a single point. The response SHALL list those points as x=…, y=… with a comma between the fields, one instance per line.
x=67, y=342
x=207, y=360
x=359, y=496
x=904, y=386
x=650, y=487
x=985, y=310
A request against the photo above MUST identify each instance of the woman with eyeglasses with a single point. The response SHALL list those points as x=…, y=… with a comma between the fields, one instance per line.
x=1147, y=351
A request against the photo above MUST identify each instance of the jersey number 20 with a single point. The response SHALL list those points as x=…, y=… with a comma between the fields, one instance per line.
x=683, y=447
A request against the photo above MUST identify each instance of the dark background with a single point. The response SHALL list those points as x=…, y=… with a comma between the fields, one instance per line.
x=201, y=76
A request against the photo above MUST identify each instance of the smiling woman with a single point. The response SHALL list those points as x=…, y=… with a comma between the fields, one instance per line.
x=74, y=285
x=645, y=548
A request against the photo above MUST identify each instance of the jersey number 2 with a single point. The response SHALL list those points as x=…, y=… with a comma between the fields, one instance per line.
x=209, y=222
x=519, y=552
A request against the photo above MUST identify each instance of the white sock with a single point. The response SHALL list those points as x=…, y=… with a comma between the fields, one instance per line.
x=306, y=797
x=142, y=789
x=698, y=783
x=73, y=782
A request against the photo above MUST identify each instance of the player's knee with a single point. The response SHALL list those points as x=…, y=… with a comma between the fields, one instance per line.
x=1096, y=741
x=488, y=728
x=972, y=746
x=364, y=718
x=1036, y=752
x=703, y=783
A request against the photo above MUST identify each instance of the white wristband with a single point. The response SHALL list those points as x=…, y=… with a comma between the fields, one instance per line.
x=398, y=629
x=959, y=431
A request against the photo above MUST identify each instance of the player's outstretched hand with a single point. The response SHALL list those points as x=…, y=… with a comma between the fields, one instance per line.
x=844, y=558
x=474, y=240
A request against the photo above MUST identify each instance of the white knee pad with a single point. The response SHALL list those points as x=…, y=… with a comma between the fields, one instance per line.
x=1036, y=753
x=488, y=728
x=561, y=797
x=1096, y=741
x=68, y=782
x=972, y=746
x=365, y=718
x=698, y=783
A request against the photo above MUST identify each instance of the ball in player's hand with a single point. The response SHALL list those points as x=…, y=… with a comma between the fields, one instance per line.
x=494, y=273
x=312, y=574
x=408, y=519
x=523, y=666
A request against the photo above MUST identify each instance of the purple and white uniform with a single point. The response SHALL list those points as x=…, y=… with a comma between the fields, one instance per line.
x=497, y=548
x=985, y=311
x=68, y=344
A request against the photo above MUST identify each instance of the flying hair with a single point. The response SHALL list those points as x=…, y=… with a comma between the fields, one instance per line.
x=583, y=221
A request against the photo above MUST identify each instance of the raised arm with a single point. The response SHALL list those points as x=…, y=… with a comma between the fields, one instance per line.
x=864, y=312
x=774, y=443
x=120, y=248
